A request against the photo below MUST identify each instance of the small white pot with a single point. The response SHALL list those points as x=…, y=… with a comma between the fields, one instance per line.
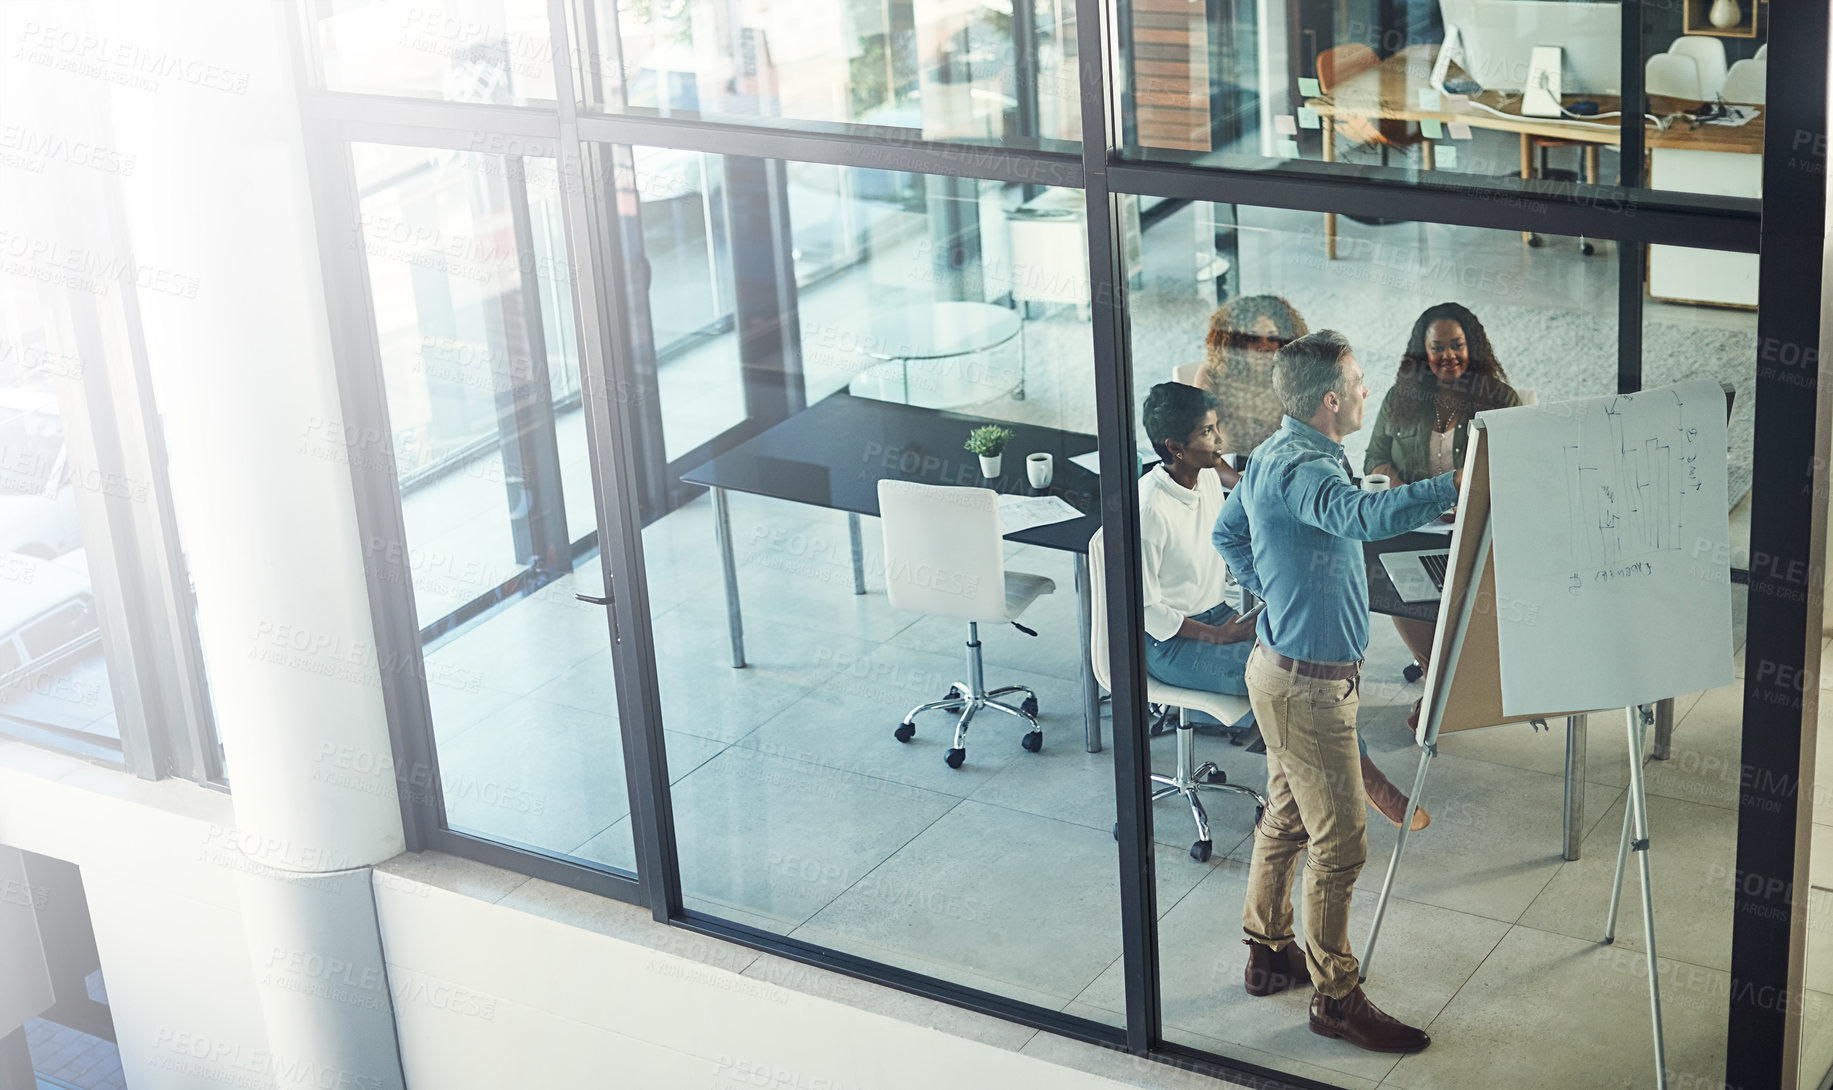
x=989, y=467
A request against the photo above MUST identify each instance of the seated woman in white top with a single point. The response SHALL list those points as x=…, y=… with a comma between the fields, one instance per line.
x=1194, y=638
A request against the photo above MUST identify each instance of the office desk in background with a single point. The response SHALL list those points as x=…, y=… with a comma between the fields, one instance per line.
x=1724, y=160
x=834, y=453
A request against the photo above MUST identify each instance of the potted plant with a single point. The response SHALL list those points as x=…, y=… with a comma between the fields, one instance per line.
x=989, y=442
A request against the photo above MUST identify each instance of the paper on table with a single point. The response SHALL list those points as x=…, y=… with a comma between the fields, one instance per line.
x=1609, y=531
x=1308, y=118
x=1018, y=513
x=1090, y=461
x=1285, y=125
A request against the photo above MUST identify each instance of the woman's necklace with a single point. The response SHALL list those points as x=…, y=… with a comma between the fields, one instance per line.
x=1445, y=411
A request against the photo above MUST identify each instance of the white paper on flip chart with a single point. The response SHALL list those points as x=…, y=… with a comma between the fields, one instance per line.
x=1610, y=538
x=1019, y=513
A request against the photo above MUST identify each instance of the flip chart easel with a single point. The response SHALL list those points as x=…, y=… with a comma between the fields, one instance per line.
x=1466, y=650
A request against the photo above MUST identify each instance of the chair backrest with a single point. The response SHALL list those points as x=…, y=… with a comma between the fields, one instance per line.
x=1675, y=75
x=944, y=554
x=1528, y=395
x=1709, y=55
x=1745, y=82
x=1339, y=63
x=1186, y=373
x=1762, y=53
x=1097, y=594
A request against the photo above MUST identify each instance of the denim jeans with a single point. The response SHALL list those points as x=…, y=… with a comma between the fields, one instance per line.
x=1197, y=664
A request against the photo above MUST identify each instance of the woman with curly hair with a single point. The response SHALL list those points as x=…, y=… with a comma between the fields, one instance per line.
x=1243, y=335
x=1448, y=374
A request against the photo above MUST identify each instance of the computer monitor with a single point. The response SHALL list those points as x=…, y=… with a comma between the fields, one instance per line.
x=1499, y=36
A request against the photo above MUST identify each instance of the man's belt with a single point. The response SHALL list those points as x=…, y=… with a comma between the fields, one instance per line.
x=1328, y=671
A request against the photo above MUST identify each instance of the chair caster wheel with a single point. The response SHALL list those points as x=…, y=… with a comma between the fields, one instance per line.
x=1536, y=241
x=1413, y=672
x=954, y=757
x=1587, y=249
x=1216, y=776
x=1029, y=707
x=1033, y=741
x=1200, y=851
x=953, y=692
x=904, y=732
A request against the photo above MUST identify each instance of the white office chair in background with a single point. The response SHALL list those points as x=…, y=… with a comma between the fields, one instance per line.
x=1709, y=55
x=1674, y=75
x=1745, y=82
x=1186, y=373
x=1762, y=53
x=1185, y=781
x=945, y=556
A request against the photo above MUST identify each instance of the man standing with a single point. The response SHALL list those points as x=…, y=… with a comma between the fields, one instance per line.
x=1292, y=535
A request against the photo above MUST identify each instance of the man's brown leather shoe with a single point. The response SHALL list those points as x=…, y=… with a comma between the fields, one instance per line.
x=1270, y=970
x=1354, y=1019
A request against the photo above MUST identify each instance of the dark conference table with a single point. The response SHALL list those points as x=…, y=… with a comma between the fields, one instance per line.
x=834, y=453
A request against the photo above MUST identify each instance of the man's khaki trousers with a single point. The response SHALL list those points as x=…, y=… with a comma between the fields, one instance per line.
x=1315, y=806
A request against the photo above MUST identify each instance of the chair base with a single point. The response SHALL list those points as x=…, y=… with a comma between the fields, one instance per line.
x=965, y=700
x=1191, y=782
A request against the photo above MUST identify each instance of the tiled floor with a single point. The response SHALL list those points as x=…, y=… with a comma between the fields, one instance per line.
x=74, y=1057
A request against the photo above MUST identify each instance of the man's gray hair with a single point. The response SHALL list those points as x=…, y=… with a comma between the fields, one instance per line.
x=1307, y=369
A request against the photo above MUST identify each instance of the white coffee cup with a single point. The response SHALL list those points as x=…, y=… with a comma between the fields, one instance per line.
x=1040, y=468
x=1376, y=482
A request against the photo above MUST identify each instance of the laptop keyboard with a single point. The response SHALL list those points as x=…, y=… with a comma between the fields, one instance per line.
x=1435, y=564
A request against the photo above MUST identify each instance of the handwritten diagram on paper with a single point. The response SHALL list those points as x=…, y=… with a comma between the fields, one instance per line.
x=1610, y=533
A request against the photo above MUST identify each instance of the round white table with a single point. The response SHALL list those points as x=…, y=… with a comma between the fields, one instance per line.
x=940, y=339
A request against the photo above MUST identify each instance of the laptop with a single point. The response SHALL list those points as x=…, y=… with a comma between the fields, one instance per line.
x=1419, y=575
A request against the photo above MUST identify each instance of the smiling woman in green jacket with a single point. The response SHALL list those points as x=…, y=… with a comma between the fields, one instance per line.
x=1448, y=374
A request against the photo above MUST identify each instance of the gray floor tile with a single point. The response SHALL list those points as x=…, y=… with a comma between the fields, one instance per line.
x=1425, y=955
x=1494, y=841
x=914, y=1009
x=1704, y=762
x=1013, y=903
x=537, y=773
x=1693, y=850
x=1816, y=1041
x=1547, y=1010
x=780, y=838
x=520, y=648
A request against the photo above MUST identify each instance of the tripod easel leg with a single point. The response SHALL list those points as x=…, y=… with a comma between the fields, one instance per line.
x=1393, y=863
x=1635, y=821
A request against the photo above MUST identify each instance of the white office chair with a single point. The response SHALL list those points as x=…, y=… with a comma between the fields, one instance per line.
x=1185, y=781
x=1709, y=55
x=1762, y=53
x=1674, y=75
x=1186, y=373
x=1745, y=82
x=945, y=556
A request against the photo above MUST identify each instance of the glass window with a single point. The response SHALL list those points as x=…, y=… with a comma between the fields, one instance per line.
x=473, y=305
x=802, y=805
x=55, y=687
x=1452, y=92
x=977, y=73
x=494, y=51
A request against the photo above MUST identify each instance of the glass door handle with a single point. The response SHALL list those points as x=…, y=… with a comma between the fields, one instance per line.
x=594, y=601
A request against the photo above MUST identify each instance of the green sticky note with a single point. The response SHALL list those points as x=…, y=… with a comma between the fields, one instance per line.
x=1288, y=148
x=1432, y=128
x=1308, y=87
x=1428, y=98
x=1307, y=118
x=1445, y=156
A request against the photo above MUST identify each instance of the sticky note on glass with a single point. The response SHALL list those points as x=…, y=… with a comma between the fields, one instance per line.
x=1445, y=156
x=1432, y=128
x=1288, y=148
x=1284, y=125
x=1457, y=104
x=1308, y=87
x=1428, y=98
x=1307, y=118
x=1458, y=130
